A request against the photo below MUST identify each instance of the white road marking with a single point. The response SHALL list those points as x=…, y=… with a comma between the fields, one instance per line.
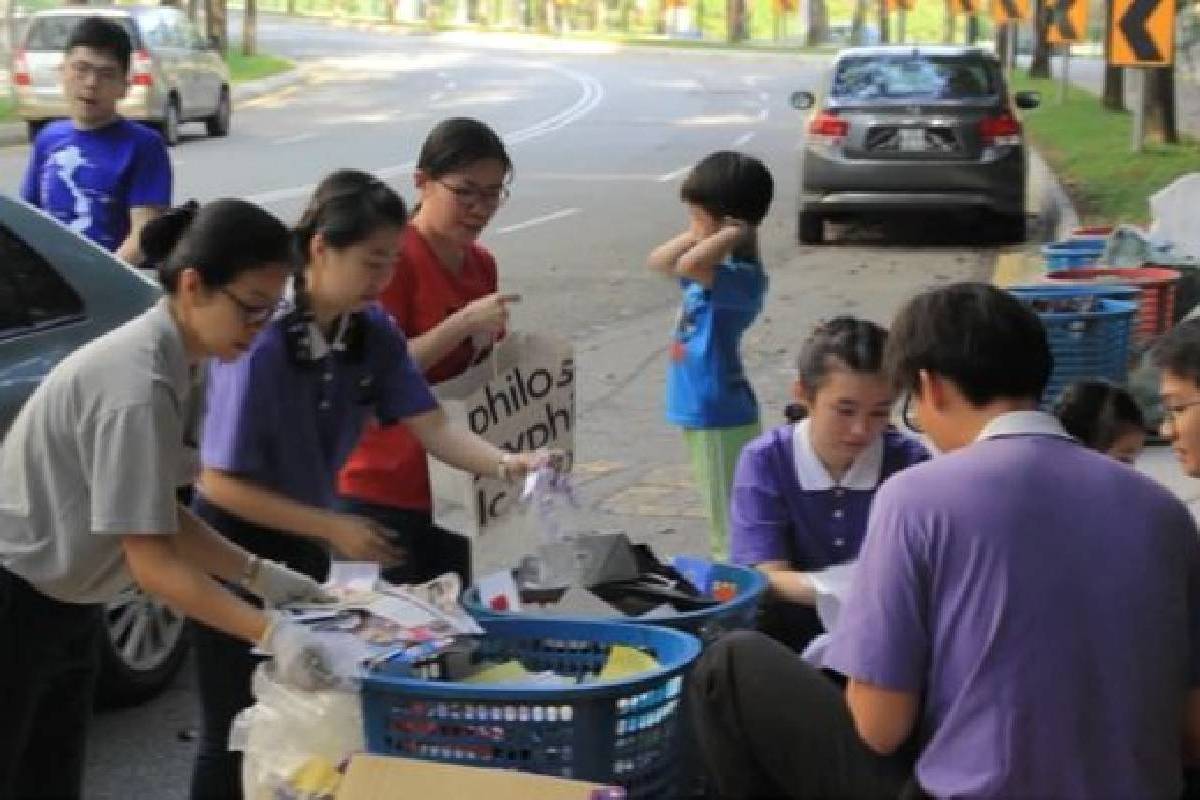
x=591, y=96
x=529, y=223
x=742, y=140
x=672, y=175
x=299, y=137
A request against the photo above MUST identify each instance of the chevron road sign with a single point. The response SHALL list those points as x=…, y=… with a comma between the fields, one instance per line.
x=1068, y=21
x=1010, y=10
x=1142, y=33
x=966, y=6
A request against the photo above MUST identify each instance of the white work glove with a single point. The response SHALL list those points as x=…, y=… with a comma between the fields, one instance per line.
x=278, y=585
x=301, y=659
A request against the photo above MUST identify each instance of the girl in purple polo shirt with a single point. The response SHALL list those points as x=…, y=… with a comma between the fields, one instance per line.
x=801, y=492
x=284, y=417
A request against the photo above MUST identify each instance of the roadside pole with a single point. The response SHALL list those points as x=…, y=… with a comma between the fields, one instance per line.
x=1138, y=77
x=1064, y=85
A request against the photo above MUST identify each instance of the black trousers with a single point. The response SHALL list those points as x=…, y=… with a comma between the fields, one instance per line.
x=771, y=726
x=49, y=660
x=224, y=665
x=432, y=550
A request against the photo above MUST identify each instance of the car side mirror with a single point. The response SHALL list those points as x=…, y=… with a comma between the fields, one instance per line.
x=1028, y=100
x=802, y=101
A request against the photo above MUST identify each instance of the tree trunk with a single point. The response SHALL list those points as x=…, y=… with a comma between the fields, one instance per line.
x=949, y=22
x=250, y=28
x=858, y=21
x=1113, y=95
x=217, y=23
x=193, y=9
x=972, y=28
x=818, y=22
x=1161, y=123
x=885, y=32
x=1039, y=64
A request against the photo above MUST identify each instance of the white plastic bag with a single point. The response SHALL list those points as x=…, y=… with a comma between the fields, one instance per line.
x=287, y=729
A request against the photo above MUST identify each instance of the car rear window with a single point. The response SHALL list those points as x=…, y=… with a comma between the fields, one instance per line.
x=914, y=77
x=50, y=33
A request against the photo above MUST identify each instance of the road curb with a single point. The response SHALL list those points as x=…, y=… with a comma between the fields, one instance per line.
x=14, y=133
x=1057, y=218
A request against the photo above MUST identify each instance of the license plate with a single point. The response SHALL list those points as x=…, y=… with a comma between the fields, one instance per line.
x=912, y=140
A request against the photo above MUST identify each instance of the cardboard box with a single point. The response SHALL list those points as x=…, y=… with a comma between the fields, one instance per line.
x=382, y=778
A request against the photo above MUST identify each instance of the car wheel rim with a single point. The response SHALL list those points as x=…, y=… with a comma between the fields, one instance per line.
x=143, y=631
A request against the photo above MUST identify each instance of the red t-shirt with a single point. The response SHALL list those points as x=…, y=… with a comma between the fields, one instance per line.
x=388, y=466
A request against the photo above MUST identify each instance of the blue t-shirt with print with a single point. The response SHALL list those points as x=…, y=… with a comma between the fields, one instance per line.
x=90, y=179
x=707, y=386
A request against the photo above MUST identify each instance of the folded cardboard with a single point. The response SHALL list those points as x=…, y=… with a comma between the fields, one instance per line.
x=382, y=778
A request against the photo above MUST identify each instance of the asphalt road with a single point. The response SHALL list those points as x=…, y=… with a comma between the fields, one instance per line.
x=601, y=140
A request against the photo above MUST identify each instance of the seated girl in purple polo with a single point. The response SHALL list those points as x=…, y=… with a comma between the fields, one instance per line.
x=1104, y=417
x=283, y=418
x=802, y=491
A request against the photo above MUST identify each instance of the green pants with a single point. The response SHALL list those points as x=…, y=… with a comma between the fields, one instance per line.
x=714, y=453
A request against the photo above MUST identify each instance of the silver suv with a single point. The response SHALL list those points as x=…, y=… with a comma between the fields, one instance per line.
x=175, y=75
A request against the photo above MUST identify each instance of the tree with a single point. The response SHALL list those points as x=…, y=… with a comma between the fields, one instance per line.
x=858, y=21
x=1039, y=64
x=885, y=28
x=949, y=22
x=250, y=28
x=1113, y=95
x=818, y=22
x=216, y=16
x=1161, y=123
x=972, y=28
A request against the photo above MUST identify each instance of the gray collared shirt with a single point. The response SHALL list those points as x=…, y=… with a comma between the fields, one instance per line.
x=97, y=452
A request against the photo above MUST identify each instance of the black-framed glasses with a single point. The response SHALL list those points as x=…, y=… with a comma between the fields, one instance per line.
x=251, y=313
x=908, y=414
x=470, y=195
x=1171, y=412
x=81, y=70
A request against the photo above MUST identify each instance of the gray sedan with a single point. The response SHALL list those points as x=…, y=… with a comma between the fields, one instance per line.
x=903, y=128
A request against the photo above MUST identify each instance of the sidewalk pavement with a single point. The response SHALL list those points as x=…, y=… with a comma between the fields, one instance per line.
x=13, y=133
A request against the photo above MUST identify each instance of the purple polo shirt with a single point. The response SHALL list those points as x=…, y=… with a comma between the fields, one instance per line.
x=785, y=507
x=289, y=425
x=1044, y=601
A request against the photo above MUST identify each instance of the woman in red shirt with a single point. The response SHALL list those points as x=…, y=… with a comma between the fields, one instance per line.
x=444, y=298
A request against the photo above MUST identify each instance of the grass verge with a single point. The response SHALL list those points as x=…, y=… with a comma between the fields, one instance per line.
x=6, y=110
x=250, y=68
x=1088, y=147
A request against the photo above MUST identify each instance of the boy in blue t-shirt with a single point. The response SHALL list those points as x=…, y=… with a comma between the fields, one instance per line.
x=99, y=174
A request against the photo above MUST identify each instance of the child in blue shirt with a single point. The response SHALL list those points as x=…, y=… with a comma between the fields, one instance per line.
x=102, y=176
x=717, y=263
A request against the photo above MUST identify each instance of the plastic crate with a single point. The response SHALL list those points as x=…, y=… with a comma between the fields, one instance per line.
x=740, y=612
x=1070, y=253
x=1084, y=344
x=623, y=732
x=1156, y=301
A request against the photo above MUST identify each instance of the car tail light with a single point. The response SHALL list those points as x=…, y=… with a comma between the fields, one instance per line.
x=827, y=127
x=20, y=75
x=142, y=76
x=1000, y=130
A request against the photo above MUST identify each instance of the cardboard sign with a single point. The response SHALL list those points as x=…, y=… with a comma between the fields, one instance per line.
x=381, y=778
x=520, y=398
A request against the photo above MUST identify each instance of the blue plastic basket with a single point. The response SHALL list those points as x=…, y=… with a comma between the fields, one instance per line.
x=1113, y=291
x=741, y=612
x=1084, y=344
x=1072, y=253
x=622, y=732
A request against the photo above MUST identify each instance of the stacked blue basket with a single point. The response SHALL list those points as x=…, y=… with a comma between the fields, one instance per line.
x=620, y=732
x=1082, y=252
x=1092, y=343
x=739, y=613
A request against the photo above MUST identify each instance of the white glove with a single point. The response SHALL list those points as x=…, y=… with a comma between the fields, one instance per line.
x=301, y=659
x=278, y=585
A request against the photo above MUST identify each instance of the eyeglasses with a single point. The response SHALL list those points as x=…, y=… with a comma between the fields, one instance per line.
x=1171, y=412
x=252, y=314
x=908, y=414
x=81, y=70
x=470, y=195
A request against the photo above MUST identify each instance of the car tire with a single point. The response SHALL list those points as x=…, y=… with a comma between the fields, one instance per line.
x=170, y=122
x=1009, y=228
x=144, y=646
x=33, y=127
x=218, y=124
x=810, y=227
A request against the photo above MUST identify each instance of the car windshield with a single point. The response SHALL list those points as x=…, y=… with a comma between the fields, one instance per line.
x=50, y=33
x=911, y=76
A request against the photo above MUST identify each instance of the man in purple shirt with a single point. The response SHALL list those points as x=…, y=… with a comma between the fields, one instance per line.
x=1025, y=621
